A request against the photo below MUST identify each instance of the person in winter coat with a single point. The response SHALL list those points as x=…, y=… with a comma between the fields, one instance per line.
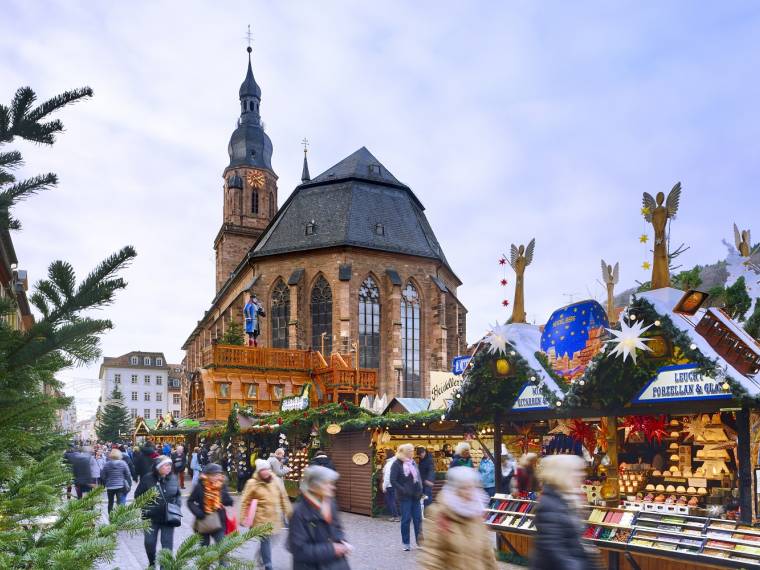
x=427, y=473
x=322, y=460
x=208, y=499
x=116, y=478
x=82, y=471
x=459, y=540
x=276, y=463
x=316, y=538
x=527, y=481
x=272, y=503
x=461, y=457
x=128, y=460
x=487, y=472
x=390, y=495
x=195, y=465
x=558, y=524
x=166, y=485
x=96, y=466
x=144, y=459
x=508, y=466
x=407, y=483
x=179, y=462
x=167, y=449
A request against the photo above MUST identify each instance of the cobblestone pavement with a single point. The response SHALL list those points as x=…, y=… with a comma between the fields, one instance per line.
x=377, y=545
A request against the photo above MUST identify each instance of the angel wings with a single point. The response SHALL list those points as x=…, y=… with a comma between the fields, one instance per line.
x=609, y=274
x=743, y=240
x=671, y=204
x=516, y=252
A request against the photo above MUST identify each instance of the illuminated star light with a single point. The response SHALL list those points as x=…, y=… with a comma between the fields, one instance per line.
x=628, y=340
x=497, y=339
x=643, y=238
x=646, y=265
x=645, y=211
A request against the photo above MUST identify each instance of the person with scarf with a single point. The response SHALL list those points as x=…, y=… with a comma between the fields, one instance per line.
x=559, y=525
x=316, y=538
x=208, y=499
x=459, y=539
x=461, y=457
x=166, y=485
x=271, y=503
x=407, y=484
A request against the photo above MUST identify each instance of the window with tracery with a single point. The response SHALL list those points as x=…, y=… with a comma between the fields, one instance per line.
x=369, y=324
x=410, y=342
x=280, y=314
x=321, y=315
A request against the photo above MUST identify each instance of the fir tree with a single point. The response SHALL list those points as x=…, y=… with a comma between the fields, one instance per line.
x=114, y=422
x=233, y=334
x=752, y=325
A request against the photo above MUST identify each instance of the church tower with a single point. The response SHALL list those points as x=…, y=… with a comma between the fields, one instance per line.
x=250, y=184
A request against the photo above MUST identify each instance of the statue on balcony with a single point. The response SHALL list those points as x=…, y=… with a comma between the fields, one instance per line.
x=251, y=313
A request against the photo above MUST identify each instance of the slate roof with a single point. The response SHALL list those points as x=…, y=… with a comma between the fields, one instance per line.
x=357, y=202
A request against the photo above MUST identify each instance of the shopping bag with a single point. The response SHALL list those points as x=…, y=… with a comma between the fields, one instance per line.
x=251, y=514
x=232, y=524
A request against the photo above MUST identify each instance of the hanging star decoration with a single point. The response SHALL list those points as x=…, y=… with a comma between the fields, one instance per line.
x=628, y=340
x=505, y=303
x=562, y=428
x=694, y=428
x=631, y=425
x=646, y=265
x=601, y=434
x=503, y=282
x=497, y=339
x=643, y=238
x=523, y=439
x=655, y=428
x=645, y=211
x=583, y=433
x=503, y=261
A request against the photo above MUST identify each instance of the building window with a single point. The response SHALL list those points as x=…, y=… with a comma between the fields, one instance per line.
x=224, y=390
x=176, y=413
x=280, y=314
x=369, y=324
x=134, y=360
x=255, y=202
x=159, y=413
x=159, y=361
x=134, y=396
x=311, y=228
x=410, y=342
x=159, y=397
x=147, y=396
x=146, y=361
x=251, y=391
x=133, y=412
x=159, y=380
x=117, y=378
x=134, y=378
x=278, y=392
x=146, y=415
x=176, y=399
x=147, y=379
x=380, y=229
x=321, y=315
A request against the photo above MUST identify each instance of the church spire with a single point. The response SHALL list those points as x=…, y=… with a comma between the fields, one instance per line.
x=250, y=96
x=305, y=177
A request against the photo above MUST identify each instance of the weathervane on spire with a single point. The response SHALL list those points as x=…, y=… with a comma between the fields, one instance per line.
x=305, y=143
x=249, y=37
x=305, y=176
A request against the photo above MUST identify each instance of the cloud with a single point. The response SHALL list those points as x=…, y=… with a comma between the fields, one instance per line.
x=509, y=121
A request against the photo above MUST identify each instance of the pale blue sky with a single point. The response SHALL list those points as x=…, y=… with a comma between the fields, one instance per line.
x=509, y=120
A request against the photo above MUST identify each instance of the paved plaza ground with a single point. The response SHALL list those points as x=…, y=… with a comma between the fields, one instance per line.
x=377, y=545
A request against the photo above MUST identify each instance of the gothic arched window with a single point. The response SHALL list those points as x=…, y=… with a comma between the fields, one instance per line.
x=280, y=314
x=369, y=324
x=255, y=202
x=321, y=315
x=410, y=342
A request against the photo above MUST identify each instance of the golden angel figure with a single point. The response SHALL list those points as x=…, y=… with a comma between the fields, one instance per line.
x=658, y=215
x=519, y=259
x=611, y=276
x=743, y=242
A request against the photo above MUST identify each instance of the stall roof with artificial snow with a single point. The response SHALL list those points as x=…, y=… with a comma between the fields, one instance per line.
x=666, y=299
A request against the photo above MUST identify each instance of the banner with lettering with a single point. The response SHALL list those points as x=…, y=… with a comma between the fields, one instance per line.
x=530, y=398
x=443, y=385
x=681, y=382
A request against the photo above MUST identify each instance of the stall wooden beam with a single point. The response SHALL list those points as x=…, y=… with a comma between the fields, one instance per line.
x=744, y=457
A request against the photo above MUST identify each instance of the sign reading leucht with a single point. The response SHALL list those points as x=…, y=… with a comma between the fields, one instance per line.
x=682, y=382
x=530, y=398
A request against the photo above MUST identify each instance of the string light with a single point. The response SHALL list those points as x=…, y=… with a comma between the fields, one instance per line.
x=693, y=346
x=657, y=323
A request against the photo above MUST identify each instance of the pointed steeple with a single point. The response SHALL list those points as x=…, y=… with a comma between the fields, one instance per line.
x=305, y=177
x=250, y=96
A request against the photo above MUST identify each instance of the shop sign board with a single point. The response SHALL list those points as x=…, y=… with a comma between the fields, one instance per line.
x=530, y=398
x=681, y=382
x=459, y=364
x=443, y=385
x=300, y=402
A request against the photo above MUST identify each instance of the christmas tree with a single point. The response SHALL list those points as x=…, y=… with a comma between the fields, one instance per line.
x=115, y=422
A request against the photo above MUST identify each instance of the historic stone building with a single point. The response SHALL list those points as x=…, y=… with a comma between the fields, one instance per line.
x=348, y=262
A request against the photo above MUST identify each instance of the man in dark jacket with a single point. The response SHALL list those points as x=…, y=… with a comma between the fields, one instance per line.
x=427, y=474
x=166, y=485
x=128, y=460
x=320, y=458
x=180, y=462
x=144, y=459
x=80, y=467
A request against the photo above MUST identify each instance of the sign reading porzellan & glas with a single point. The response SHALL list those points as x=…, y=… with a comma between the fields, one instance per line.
x=681, y=382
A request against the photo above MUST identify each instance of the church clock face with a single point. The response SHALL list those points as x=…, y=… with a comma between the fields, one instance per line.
x=256, y=179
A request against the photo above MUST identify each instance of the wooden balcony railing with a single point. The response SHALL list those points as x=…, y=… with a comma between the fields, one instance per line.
x=228, y=356
x=348, y=380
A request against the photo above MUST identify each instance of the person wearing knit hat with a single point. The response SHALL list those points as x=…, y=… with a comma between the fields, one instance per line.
x=166, y=483
x=208, y=499
x=264, y=501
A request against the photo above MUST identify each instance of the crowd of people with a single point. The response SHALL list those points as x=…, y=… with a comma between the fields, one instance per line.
x=455, y=536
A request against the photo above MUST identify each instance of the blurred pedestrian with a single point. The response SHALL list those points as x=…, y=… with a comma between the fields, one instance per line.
x=559, y=526
x=527, y=481
x=508, y=467
x=459, y=539
x=389, y=492
x=207, y=501
x=263, y=501
x=157, y=512
x=179, y=462
x=276, y=463
x=195, y=465
x=407, y=483
x=128, y=460
x=461, y=457
x=487, y=472
x=427, y=474
x=316, y=538
x=320, y=458
x=81, y=468
x=116, y=478
x=96, y=466
x=144, y=458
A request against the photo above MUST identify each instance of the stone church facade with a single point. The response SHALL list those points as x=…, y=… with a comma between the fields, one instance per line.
x=348, y=262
